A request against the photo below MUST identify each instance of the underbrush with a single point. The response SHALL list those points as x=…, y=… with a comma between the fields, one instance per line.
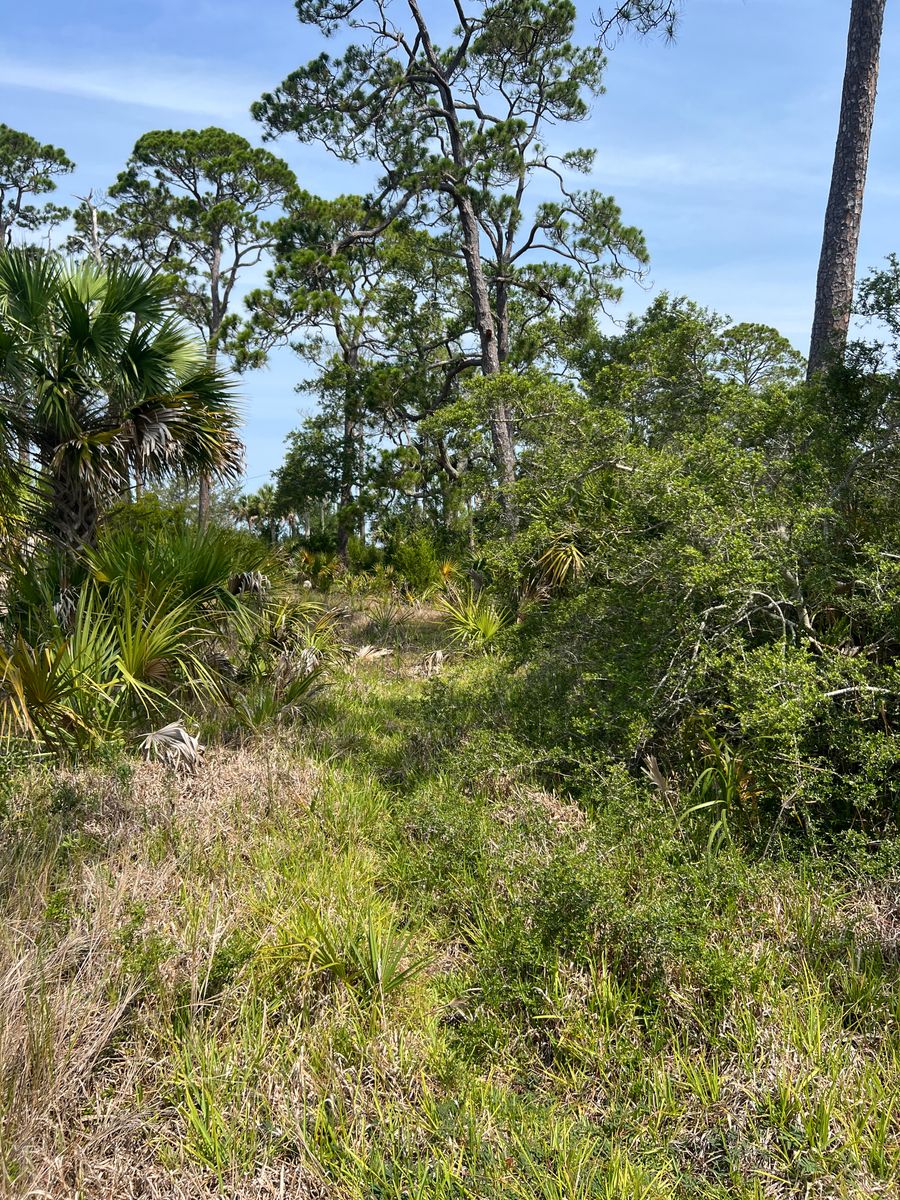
x=156, y=628
x=382, y=957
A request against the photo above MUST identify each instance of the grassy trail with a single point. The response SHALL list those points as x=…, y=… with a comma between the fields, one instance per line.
x=374, y=957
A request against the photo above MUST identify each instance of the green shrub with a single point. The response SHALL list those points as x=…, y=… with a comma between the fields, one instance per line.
x=472, y=617
x=416, y=562
x=141, y=630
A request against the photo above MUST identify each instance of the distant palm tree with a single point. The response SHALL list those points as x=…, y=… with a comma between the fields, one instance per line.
x=265, y=508
x=106, y=385
x=843, y=214
x=244, y=510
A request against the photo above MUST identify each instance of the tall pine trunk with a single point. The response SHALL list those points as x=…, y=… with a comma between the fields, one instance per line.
x=501, y=433
x=216, y=317
x=347, y=517
x=843, y=214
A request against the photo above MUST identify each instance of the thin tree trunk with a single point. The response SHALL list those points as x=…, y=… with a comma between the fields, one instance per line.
x=349, y=454
x=843, y=214
x=216, y=316
x=88, y=200
x=501, y=435
x=502, y=304
x=203, y=502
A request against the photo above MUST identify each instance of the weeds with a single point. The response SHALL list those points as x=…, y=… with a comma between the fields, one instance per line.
x=333, y=963
x=372, y=957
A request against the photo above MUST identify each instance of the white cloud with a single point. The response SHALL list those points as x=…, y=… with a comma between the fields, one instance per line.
x=700, y=169
x=176, y=85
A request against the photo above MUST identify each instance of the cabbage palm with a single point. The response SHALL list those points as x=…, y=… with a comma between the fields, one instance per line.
x=105, y=383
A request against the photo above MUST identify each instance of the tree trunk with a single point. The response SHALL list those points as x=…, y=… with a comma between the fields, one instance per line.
x=346, y=518
x=837, y=264
x=217, y=315
x=73, y=514
x=203, y=502
x=502, y=306
x=501, y=435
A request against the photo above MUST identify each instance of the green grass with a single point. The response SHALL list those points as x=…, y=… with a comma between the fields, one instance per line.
x=378, y=958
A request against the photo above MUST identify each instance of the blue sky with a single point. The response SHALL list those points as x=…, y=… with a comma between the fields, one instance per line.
x=718, y=146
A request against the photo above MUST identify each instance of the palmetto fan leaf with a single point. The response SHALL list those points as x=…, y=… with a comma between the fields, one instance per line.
x=472, y=617
x=210, y=424
x=118, y=290
x=562, y=561
x=106, y=382
x=153, y=357
x=28, y=285
x=37, y=686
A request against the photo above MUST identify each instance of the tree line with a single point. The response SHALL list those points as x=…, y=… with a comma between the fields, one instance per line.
x=399, y=300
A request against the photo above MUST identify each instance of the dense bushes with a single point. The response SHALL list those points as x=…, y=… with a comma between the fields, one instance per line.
x=703, y=588
x=712, y=579
x=156, y=622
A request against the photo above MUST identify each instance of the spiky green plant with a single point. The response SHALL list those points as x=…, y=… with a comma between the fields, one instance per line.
x=562, y=561
x=115, y=665
x=371, y=956
x=273, y=699
x=725, y=792
x=472, y=617
x=178, y=562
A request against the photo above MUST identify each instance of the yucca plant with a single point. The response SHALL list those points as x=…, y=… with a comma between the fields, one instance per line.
x=298, y=631
x=35, y=583
x=472, y=617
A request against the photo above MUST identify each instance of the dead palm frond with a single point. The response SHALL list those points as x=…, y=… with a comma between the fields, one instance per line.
x=175, y=747
x=369, y=653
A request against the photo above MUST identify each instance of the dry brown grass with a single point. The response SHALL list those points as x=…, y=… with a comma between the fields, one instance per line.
x=86, y=890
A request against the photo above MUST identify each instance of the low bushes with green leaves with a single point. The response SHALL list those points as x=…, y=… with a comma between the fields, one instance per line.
x=148, y=627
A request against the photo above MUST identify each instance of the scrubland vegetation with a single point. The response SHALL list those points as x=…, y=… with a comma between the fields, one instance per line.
x=377, y=952
x=501, y=802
